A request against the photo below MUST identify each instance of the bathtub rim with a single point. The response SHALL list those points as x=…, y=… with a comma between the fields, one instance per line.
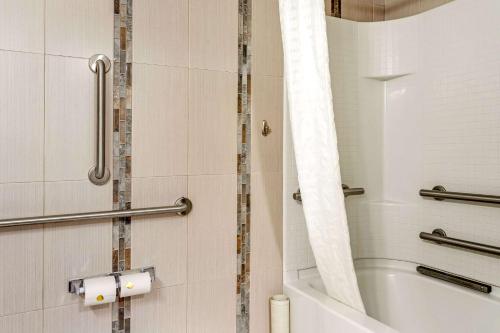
x=300, y=285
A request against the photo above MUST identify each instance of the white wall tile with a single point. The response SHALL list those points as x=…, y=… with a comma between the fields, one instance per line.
x=77, y=197
x=161, y=34
x=21, y=25
x=21, y=259
x=21, y=200
x=213, y=35
x=267, y=51
x=159, y=143
x=21, y=117
x=74, y=250
x=70, y=119
x=160, y=240
x=211, y=306
x=442, y=120
x=212, y=122
x=267, y=221
x=212, y=228
x=79, y=28
x=28, y=322
x=265, y=284
x=267, y=104
x=77, y=318
x=161, y=311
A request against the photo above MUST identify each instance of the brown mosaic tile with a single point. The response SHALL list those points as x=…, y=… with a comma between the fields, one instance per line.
x=243, y=167
x=122, y=159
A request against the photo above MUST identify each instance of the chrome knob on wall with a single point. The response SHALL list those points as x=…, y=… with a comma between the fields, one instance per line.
x=266, y=129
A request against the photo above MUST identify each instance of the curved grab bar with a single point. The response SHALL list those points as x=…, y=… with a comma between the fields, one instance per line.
x=347, y=192
x=439, y=237
x=100, y=64
x=439, y=193
x=182, y=207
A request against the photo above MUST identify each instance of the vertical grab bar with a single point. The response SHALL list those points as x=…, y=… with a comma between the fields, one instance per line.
x=100, y=64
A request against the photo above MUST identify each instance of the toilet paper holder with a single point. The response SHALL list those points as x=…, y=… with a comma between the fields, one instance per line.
x=75, y=286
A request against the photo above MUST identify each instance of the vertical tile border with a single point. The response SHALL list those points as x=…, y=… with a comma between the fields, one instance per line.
x=336, y=8
x=122, y=148
x=243, y=171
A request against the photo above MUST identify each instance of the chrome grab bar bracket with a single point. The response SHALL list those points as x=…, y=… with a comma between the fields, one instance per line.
x=100, y=64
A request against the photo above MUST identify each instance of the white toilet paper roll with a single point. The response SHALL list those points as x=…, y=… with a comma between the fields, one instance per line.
x=99, y=290
x=280, y=314
x=135, y=284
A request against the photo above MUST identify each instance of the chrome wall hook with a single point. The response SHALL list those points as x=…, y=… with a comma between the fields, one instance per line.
x=266, y=129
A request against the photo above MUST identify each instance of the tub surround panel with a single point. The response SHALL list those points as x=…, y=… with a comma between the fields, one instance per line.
x=427, y=115
x=379, y=10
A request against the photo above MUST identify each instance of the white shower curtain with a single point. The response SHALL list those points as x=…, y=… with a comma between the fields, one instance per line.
x=310, y=107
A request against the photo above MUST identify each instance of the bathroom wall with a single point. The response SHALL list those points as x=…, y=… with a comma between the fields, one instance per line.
x=175, y=92
x=416, y=108
x=378, y=10
x=395, y=9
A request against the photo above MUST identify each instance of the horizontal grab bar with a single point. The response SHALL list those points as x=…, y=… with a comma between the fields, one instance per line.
x=455, y=279
x=440, y=193
x=439, y=236
x=182, y=207
x=347, y=192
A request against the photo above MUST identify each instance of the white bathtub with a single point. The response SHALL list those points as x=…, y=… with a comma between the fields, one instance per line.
x=397, y=299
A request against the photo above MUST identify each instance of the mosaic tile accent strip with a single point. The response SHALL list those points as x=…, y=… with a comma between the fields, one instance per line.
x=336, y=8
x=244, y=126
x=122, y=148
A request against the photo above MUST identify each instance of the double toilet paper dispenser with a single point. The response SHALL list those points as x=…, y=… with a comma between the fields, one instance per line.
x=104, y=289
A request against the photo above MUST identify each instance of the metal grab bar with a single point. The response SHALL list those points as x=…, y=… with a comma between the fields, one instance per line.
x=439, y=236
x=182, y=207
x=100, y=64
x=347, y=192
x=455, y=279
x=439, y=193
